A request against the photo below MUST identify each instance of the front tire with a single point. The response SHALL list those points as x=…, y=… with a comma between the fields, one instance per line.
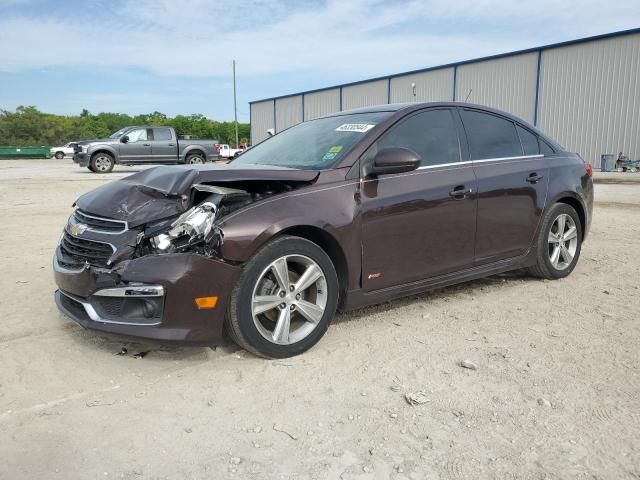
x=559, y=243
x=59, y=155
x=101, y=163
x=284, y=300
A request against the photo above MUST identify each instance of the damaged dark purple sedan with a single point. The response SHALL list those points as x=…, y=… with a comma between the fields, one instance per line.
x=341, y=212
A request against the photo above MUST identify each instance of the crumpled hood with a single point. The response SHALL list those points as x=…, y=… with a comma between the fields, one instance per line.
x=162, y=192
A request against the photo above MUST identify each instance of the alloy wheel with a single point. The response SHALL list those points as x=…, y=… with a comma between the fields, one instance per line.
x=289, y=299
x=102, y=163
x=563, y=241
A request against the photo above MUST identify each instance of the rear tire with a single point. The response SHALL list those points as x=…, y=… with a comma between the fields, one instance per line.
x=194, y=159
x=558, y=244
x=91, y=168
x=284, y=300
x=101, y=163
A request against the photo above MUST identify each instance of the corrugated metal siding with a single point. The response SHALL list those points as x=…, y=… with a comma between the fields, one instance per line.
x=364, y=94
x=590, y=97
x=321, y=103
x=261, y=121
x=288, y=112
x=432, y=86
x=508, y=84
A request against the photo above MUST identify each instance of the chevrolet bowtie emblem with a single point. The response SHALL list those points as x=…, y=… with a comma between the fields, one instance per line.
x=78, y=229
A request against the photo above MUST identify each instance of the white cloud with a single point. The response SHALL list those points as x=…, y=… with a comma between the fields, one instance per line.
x=355, y=38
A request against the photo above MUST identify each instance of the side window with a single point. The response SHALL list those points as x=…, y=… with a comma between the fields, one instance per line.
x=545, y=149
x=139, y=135
x=161, y=134
x=529, y=141
x=490, y=136
x=431, y=134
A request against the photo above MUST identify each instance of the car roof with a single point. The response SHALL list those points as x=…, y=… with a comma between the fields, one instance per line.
x=409, y=107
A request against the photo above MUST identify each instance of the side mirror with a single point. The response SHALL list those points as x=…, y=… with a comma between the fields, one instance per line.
x=393, y=160
x=125, y=139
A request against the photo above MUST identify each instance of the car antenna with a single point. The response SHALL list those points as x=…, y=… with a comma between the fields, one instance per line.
x=468, y=95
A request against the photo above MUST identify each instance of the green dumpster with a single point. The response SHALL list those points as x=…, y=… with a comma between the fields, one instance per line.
x=24, y=152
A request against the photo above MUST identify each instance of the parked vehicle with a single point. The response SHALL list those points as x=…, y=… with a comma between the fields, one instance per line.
x=340, y=212
x=65, y=150
x=226, y=152
x=142, y=145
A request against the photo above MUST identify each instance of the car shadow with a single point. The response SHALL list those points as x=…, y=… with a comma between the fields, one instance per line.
x=444, y=292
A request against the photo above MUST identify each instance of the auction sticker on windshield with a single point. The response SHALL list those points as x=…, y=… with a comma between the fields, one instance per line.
x=355, y=127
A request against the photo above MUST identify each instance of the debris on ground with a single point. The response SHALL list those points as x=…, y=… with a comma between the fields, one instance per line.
x=543, y=402
x=468, y=364
x=279, y=428
x=416, y=398
x=141, y=354
x=123, y=351
x=100, y=403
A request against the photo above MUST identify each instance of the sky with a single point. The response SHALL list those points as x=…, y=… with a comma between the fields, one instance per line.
x=174, y=56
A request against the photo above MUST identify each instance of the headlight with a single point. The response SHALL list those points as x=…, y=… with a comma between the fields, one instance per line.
x=193, y=226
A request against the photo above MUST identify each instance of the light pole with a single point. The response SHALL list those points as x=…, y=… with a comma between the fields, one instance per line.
x=235, y=104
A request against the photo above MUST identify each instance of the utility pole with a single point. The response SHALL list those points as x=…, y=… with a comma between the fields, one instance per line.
x=235, y=103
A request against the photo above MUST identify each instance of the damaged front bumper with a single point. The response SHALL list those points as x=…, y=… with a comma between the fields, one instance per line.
x=81, y=158
x=151, y=297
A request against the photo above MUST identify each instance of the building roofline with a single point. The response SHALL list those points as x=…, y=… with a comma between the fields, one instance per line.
x=550, y=46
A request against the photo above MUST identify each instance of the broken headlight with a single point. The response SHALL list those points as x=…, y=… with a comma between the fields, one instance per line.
x=192, y=227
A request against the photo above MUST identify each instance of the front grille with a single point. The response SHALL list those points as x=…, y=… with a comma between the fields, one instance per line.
x=100, y=224
x=79, y=250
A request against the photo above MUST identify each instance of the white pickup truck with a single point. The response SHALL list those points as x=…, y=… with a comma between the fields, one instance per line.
x=225, y=151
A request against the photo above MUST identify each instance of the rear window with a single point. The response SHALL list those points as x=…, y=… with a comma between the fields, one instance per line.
x=529, y=141
x=545, y=149
x=490, y=136
x=161, y=134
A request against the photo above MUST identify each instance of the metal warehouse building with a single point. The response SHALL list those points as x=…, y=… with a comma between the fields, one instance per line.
x=584, y=93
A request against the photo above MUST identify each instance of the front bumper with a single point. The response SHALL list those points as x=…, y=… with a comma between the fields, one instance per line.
x=150, y=297
x=81, y=158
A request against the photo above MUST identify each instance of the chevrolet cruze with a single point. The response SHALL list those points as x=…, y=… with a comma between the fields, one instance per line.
x=340, y=212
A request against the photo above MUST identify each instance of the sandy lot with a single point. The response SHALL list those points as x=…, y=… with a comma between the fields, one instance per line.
x=556, y=394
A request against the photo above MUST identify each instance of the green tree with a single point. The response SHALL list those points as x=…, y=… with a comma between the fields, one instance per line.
x=28, y=126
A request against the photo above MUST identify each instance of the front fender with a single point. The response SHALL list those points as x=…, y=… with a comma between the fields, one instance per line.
x=103, y=147
x=335, y=212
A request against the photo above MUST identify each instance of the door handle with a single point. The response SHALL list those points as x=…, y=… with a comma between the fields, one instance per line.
x=460, y=192
x=146, y=144
x=172, y=144
x=534, y=178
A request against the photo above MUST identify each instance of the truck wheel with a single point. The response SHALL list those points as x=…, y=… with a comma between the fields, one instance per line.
x=101, y=163
x=59, y=155
x=91, y=168
x=194, y=159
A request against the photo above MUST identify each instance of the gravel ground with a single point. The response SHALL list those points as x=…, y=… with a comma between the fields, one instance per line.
x=555, y=394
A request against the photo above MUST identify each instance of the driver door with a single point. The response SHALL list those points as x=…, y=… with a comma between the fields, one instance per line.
x=419, y=224
x=138, y=148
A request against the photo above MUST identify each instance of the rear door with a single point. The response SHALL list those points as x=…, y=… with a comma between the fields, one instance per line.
x=512, y=184
x=138, y=148
x=164, y=147
x=419, y=224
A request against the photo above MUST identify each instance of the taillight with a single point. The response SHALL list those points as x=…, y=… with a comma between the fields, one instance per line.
x=588, y=168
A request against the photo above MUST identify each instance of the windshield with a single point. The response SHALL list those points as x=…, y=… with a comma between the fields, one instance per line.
x=119, y=133
x=313, y=145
